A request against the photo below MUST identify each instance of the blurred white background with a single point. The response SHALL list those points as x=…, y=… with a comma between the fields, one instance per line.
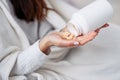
x=115, y=4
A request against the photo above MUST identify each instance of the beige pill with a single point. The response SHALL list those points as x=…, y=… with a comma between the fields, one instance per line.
x=67, y=35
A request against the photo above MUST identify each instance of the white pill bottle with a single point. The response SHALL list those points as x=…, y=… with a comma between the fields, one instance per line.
x=90, y=17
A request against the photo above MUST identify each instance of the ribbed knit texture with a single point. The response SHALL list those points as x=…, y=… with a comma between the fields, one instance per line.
x=98, y=60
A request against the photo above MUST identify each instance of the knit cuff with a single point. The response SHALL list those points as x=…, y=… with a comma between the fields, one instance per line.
x=30, y=60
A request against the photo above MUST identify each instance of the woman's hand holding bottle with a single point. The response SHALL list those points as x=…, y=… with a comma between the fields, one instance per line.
x=66, y=39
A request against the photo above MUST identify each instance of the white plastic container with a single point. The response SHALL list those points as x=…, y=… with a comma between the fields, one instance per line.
x=90, y=17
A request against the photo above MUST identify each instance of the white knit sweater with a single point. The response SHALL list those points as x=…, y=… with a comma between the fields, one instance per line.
x=16, y=50
x=99, y=60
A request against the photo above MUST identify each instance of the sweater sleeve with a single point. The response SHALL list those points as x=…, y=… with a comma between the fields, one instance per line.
x=29, y=60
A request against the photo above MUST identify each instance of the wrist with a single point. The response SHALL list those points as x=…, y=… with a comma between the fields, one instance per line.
x=44, y=46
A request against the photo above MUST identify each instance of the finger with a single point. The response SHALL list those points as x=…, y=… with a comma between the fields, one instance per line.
x=88, y=37
x=97, y=30
x=104, y=26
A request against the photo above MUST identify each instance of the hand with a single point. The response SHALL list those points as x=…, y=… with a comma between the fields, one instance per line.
x=55, y=39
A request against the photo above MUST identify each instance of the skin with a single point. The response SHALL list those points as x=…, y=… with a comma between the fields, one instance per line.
x=55, y=39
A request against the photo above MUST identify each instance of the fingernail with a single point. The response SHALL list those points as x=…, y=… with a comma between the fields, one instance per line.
x=76, y=43
x=97, y=30
x=106, y=25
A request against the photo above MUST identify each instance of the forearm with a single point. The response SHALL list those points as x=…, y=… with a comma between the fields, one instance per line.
x=44, y=46
x=29, y=60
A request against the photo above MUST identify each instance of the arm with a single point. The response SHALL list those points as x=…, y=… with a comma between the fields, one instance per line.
x=29, y=60
x=33, y=58
x=62, y=43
